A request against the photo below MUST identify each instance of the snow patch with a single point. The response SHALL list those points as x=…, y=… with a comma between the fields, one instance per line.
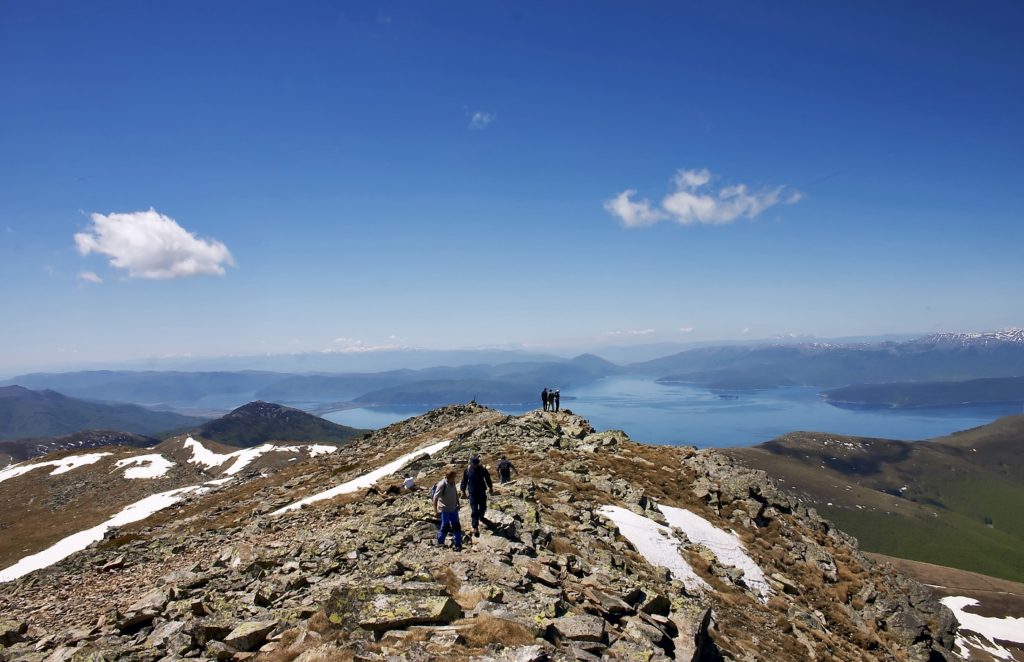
x=320, y=449
x=242, y=458
x=366, y=480
x=655, y=543
x=726, y=546
x=76, y=542
x=154, y=466
x=987, y=629
x=63, y=465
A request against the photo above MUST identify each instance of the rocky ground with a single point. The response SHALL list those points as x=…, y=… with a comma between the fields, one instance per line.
x=219, y=576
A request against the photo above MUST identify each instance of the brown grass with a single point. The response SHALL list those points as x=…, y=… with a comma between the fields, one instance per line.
x=446, y=577
x=487, y=629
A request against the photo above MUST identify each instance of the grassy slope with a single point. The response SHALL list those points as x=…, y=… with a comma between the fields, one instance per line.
x=954, y=501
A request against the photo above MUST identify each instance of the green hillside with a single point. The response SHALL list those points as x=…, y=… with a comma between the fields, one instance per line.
x=952, y=501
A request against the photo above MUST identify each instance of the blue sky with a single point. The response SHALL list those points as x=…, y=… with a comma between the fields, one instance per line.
x=329, y=176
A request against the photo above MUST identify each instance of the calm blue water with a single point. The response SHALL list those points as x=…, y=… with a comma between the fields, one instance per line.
x=680, y=414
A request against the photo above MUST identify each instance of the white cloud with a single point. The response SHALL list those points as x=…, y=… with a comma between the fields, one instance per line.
x=635, y=332
x=694, y=201
x=480, y=119
x=686, y=329
x=745, y=330
x=352, y=345
x=148, y=244
x=634, y=214
x=90, y=276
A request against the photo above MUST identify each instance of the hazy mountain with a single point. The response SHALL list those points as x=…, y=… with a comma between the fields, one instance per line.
x=25, y=413
x=258, y=422
x=152, y=387
x=953, y=501
x=944, y=357
x=931, y=394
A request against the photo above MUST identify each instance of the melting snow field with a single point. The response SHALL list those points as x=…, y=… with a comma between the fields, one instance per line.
x=366, y=480
x=987, y=628
x=153, y=466
x=76, y=542
x=726, y=546
x=63, y=465
x=243, y=458
x=655, y=543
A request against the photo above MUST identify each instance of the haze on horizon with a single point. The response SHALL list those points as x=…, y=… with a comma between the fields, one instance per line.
x=239, y=178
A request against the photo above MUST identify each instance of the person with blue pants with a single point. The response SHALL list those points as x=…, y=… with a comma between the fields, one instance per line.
x=446, y=494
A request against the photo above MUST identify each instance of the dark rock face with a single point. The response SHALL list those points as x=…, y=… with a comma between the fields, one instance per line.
x=219, y=576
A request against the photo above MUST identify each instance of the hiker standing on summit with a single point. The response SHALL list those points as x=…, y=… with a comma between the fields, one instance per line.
x=544, y=398
x=476, y=480
x=555, y=399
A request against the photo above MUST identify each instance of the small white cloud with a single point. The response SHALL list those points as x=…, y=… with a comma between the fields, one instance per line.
x=694, y=201
x=745, y=330
x=481, y=119
x=90, y=277
x=148, y=244
x=686, y=329
x=634, y=332
x=634, y=214
x=352, y=345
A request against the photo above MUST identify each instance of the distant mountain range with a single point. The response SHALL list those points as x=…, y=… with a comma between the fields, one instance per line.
x=944, y=357
x=953, y=501
x=936, y=358
x=25, y=413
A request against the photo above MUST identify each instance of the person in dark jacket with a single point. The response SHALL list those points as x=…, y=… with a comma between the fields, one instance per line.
x=544, y=398
x=556, y=399
x=476, y=481
x=505, y=469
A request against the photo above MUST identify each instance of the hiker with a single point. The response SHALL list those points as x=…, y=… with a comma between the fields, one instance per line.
x=447, y=493
x=476, y=480
x=555, y=400
x=409, y=483
x=544, y=398
x=505, y=469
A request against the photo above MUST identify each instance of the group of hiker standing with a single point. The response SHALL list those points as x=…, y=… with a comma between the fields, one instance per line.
x=551, y=399
x=476, y=483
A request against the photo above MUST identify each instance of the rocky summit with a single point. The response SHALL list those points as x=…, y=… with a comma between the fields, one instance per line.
x=599, y=547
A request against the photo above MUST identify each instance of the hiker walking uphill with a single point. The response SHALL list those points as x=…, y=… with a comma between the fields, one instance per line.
x=505, y=469
x=476, y=481
x=446, y=493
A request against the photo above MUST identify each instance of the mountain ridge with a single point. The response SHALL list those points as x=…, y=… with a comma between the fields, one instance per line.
x=232, y=569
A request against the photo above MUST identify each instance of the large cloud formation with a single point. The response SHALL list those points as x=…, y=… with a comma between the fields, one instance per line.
x=694, y=201
x=148, y=244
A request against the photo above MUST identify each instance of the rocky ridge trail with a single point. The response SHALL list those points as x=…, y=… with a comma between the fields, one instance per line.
x=219, y=576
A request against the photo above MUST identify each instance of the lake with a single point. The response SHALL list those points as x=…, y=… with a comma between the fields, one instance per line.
x=684, y=414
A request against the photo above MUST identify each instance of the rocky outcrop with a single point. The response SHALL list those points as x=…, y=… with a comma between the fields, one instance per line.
x=217, y=576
